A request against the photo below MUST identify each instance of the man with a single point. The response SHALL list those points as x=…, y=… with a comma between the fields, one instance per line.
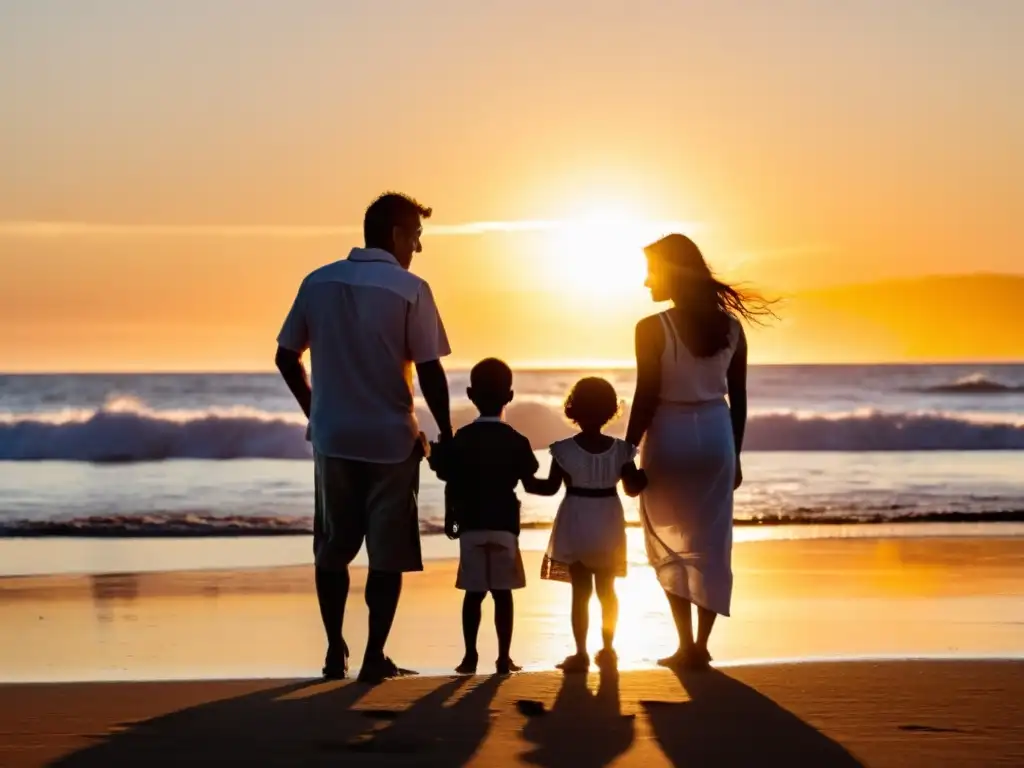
x=366, y=320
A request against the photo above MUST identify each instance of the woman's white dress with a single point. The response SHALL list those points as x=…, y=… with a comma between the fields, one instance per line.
x=588, y=530
x=689, y=456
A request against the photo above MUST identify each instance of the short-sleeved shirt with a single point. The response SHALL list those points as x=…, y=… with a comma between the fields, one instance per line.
x=365, y=321
x=482, y=465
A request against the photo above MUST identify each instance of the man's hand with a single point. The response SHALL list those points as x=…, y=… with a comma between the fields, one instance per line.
x=439, y=460
x=738, y=481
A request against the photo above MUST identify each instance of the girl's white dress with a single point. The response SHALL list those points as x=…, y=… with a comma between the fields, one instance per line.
x=589, y=530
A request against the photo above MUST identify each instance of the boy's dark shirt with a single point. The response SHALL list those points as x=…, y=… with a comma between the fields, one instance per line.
x=482, y=464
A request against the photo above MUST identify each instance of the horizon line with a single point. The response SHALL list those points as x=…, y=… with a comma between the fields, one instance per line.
x=522, y=367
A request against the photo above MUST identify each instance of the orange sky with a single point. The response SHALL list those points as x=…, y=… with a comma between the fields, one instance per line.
x=182, y=167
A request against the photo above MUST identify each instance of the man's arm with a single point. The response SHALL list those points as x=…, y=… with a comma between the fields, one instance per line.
x=427, y=344
x=291, y=342
x=434, y=388
x=289, y=363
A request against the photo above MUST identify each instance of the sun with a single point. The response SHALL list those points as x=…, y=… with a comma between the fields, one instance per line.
x=599, y=254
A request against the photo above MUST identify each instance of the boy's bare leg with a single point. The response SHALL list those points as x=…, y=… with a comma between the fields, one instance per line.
x=504, y=619
x=471, y=611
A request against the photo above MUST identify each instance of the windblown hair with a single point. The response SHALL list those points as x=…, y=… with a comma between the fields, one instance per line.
x=705, y=303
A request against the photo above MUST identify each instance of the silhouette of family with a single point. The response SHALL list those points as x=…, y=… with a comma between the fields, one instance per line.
x=367, y=321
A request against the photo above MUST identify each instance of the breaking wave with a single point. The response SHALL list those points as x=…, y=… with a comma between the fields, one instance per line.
x=975, y=384
x=127, y=431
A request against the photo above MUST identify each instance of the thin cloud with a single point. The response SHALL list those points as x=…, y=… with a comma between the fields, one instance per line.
x=485, y=227
x=43, y=230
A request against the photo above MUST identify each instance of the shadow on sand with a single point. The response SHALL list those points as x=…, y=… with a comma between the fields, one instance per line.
x=724, y=723
x=306, y=724
x=727, y=723
x=583, y=729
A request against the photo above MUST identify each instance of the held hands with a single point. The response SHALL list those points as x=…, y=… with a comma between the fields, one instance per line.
x=633, y=480
x=438, y=459
x=435, y=450
x=436, y=455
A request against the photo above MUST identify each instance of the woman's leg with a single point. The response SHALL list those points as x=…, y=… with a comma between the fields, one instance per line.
x=683, y=618
x=582, y=589
x=705, y=623
x=604, y=583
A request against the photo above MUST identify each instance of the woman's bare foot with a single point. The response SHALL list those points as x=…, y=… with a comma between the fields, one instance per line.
x=506, y=667
x=693, y=657
x=468, y=665
x=699, y=658
x=677, y=660
x=607, y=659
x=578, y=662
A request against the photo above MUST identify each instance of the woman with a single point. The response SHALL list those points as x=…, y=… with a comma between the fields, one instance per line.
x=688, y=359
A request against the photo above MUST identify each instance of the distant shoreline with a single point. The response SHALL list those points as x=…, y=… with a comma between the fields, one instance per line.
x=120, y=528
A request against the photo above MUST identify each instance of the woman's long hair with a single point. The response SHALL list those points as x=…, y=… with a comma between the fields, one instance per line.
x=704, y=302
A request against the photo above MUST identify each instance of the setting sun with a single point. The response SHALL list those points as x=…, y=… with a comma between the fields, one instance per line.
x=599, y=254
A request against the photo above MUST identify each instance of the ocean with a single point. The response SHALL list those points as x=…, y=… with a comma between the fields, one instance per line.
x=216, y=454
x=128, y=456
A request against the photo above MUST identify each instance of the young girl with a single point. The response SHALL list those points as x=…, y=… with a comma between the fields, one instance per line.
x=588, y=539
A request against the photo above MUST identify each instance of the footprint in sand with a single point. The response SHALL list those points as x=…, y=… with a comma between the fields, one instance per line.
x=928, y=729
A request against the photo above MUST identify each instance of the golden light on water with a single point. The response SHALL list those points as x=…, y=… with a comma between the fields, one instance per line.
x=645, y=630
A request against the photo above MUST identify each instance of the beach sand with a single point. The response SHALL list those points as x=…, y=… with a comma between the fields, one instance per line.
x=832, y=604
x=828, y=714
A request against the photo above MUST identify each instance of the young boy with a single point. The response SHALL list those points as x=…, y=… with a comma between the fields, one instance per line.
x=482, y=465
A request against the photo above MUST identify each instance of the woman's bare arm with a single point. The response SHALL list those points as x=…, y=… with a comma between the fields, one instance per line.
x=650, y=343
x=737, y=380
x=548, y=486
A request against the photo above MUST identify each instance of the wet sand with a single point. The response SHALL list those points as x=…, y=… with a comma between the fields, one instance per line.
x=807, y=599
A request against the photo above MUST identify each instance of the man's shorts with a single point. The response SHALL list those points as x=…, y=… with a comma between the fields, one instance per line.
x=360, y=500
x=489, y=560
